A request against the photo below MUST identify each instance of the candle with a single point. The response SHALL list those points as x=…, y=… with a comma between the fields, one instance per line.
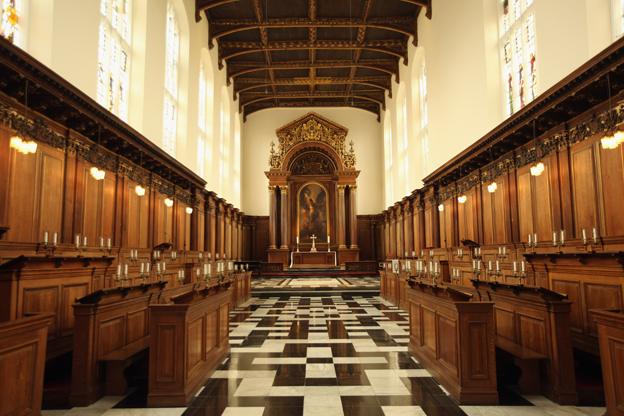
x=84, y=241
x=328, y=239
x=210, y=270
x=54, y=239
x=142, y=268
x=554, y=238
x=522, y=266
x=158, y=267
x=126, y=269
x=164, y=266
x=201, y=255
x=489, y=264
x=101, y=241
x=530, y=239
x=108, y=243
x=534, y=238
x=562, y=233
x=413, y=253
x=595, y=235
x=515, y=267
x=584, y=236
x=45, y=237
x=147, y=267
x=297, y=239
x=77, y=240
x=497, y=266
x=478, y=264
x=119, y=270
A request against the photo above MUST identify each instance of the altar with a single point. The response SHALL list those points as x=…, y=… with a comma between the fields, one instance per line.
x=312, y=259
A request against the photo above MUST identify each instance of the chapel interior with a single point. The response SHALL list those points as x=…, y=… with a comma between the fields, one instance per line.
x=311, y=207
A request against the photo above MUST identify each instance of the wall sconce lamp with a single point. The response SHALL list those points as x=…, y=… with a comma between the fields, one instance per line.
x=97, y=174
x=537, y=169
x=189, y=210
x=17, y=142
x=168, y=202
x=139, y=190
x=441, y=207
x=615, y=136
x=492, y=187
x=462, y=199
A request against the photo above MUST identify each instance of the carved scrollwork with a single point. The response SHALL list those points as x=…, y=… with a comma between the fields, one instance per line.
x=312, y=128
x=312, y=163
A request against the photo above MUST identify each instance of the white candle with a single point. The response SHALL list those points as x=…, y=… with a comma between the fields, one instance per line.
x=478, y=264
x=45, y=237
x=595, y=235
x=84, y=241
x=530, y=239
x=497, y=266
x=54, y=239
x=101, y=241
x=522, y=266
x=126, y=269
x=158, y=267
x=164, y=266
x=297, y=239
x=142, y=268
x=119, y=270
x=108, y=243
x=584, y=236
x=534, y=238
x=328, y=239
x=554, y=238
x=489, y=264
x=77, y=240
x=515, y=267
x=147, y=267
x=562, y=233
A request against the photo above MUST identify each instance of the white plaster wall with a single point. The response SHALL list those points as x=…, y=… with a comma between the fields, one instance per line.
x=461, y=52
x=63, y=34
x=259, y=130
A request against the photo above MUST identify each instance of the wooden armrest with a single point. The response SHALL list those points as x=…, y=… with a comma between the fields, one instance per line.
x=519, y=351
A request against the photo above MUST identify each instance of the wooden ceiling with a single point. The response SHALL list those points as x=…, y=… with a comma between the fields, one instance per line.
x=303, y=53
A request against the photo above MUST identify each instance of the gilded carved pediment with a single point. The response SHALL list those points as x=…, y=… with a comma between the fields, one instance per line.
x=312, y=128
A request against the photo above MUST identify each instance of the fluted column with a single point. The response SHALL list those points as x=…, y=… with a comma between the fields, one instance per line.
x=211, y=227
x=392, y=234
x=353, y=206
x=284, y=216
x=241, y=255
x=386, y=231
x=272, y=218
x=341, y=217
x=221, y=235
x=228, y=233
x=235, y=235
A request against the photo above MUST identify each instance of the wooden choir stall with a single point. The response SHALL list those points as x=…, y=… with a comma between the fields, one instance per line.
x=97, y=224
x=531, y=213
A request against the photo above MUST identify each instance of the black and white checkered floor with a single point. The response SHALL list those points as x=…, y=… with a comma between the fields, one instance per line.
x=315, y=284
x=331, y=355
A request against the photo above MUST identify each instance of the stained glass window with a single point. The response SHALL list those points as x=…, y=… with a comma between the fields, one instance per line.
x=518, y=53
x=9, y=27
x=172, y=57
x=114, y=56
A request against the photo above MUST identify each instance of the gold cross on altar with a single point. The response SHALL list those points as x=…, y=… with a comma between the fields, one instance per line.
x=313, y=238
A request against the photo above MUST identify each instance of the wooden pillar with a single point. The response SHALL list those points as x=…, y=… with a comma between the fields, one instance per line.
x=194, y=226
x=235, y=234
x=341, y=217
x=221, y=229
x=285, y=223
x=211, y=226
x=241, y=233
x=399, y=230
x=392, y=233
x=386, y=230
x=353, y=206
x=407, y=227
x=228, y=232
x=272, y=218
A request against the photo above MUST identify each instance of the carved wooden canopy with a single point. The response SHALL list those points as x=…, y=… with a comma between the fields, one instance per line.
x=311, y=134
x=311, y=53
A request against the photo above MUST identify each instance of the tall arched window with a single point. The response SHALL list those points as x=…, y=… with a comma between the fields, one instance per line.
x=423, y=133
x=10, y=24
x=204, y=117
x=388, y=162
x=224, y=143
x=403, y=139
x=113, y=77
x=236, y=168
x=518, y=53
x=172, y=58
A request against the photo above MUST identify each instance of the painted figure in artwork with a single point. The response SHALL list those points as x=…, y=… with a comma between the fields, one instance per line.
x=313, y=212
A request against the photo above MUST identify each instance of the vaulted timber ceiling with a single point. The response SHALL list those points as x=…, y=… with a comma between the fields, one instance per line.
x=303, y=53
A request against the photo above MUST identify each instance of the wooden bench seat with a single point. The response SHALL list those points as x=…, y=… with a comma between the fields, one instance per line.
x=528, y=361
x=116, y=363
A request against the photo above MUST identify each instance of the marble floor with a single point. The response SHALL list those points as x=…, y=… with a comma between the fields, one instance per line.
x=339, y=355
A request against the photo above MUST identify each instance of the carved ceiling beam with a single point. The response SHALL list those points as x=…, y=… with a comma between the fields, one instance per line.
x=203, y=5
x=385, y=66
x=320, y=45
x=312, y=32
x=319, y=80
x=366, y=106
x=402, y=25
x=346, y=81
x=306, y=96
x=361, y=36
x=422, y=3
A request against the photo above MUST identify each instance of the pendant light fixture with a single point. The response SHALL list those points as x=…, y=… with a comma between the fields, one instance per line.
x=538, y=168
x=493, y=186
x=17, y=141
x=97, y=173
x=614, y=136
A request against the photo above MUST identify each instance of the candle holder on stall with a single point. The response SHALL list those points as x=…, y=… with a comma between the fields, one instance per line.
x=46, y=246
x=501, y=252
x=459, y=253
